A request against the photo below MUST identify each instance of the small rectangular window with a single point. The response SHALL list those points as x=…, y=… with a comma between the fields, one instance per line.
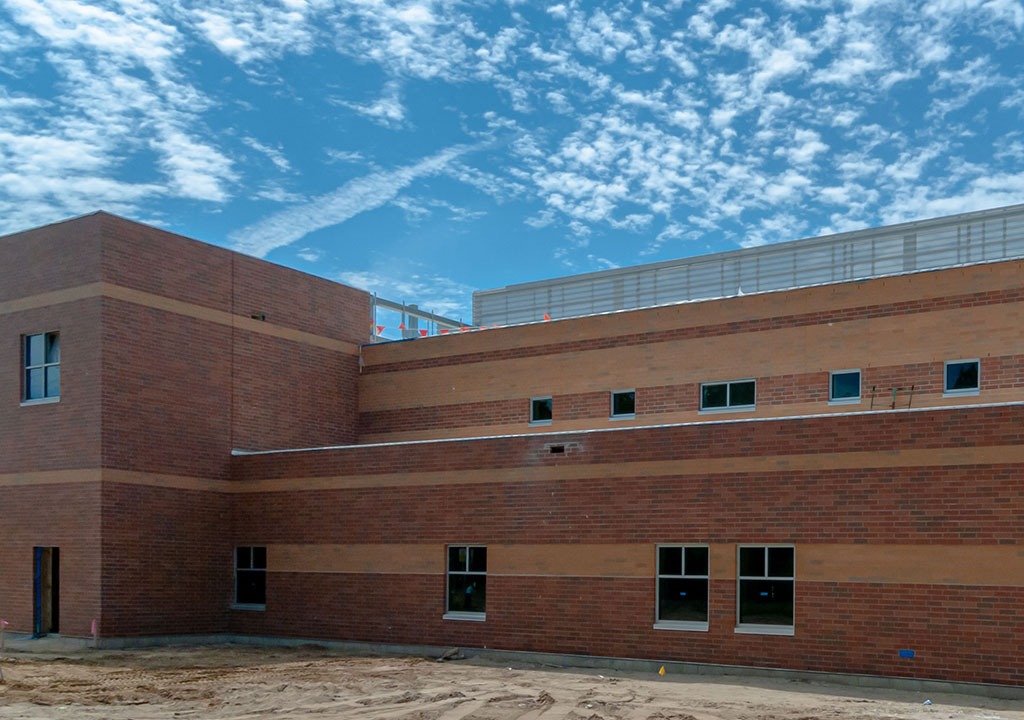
x=732, y=395
x=540, y=411
x=844, y=387
x=766, y=585
x=251, y=577
x=682, y=591
x=962, y=377
x=623, y=403
x=467, y=583
x=42, y=368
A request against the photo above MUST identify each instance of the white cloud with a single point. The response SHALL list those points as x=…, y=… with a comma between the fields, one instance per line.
x=387, y=110
x=275, y=155
x=354, y=197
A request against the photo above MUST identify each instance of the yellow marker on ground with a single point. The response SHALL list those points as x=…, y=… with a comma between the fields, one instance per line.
x=662, y=671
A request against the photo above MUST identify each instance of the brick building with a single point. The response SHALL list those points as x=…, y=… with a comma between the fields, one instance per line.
x=822, y=478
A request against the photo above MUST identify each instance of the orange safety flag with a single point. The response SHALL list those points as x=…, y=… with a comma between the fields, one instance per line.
x=546, y=316
x=401, y=326
x=380, y=329
x=423, y=333
x=444, y=331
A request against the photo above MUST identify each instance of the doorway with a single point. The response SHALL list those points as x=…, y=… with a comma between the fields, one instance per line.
x=47, y=591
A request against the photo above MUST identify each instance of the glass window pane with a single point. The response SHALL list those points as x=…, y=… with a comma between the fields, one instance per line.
x=243, y=557
x=259, y=557
x=766, y=602
x=696, y=561
x=624, y=403
x=670, y=561
x=457, y=557
x=540, y=409
x=34, y=384
x=251, y=587
x=713, y=396
x=780, y=562
x=752, y=561
x=683, y=600
x=33, y=350
x=741, y=393
x=962, y=376
x=52, y=347
x=845, y=385
x=52, y=381
x=466, y=593
x=478, y=559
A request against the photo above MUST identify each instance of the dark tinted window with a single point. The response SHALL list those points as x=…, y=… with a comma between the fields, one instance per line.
x=696, y=561
x=714, y=396
x=962, y=376
x=683, y=599
x=845, y=385
x=752, y=561
x=457, y=557
x=741, y=393
x=780, y=562
x=478, y=559
x=624, y=403
x=766, y=602
x=540, y=409
x=259, y=558
x=467, y=593
x=670, y=561
x=251, y=587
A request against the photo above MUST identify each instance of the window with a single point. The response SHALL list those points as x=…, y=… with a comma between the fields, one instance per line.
x=682, y=602
x=844, y=387
x=766, y=580
x=623, y=403
x=251, y=577
x=962, y=377
x=732, y=395
x=42, y=368
x=540, y=411
x=467, y=582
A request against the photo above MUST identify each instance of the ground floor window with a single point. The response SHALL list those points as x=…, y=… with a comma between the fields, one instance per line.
x=467, y=582
x=251, y=576
x=682, y=587
x=765, y=593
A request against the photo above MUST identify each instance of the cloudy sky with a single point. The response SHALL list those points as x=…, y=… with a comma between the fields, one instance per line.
x=425, y=149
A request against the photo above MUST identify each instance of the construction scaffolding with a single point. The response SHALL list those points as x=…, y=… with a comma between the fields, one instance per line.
x=964, y=239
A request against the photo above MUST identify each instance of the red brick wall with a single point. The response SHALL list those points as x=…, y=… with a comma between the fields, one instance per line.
x=167, y=561
x=962, y=633
x=54, y=257
x=65, y=515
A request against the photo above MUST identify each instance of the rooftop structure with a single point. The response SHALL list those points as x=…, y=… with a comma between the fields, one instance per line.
x=964, y=239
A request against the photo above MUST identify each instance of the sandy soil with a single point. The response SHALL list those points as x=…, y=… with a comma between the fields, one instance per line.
x=309, y=682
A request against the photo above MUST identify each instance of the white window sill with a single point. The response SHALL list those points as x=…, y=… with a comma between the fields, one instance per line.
x=41, y=401
x=764, y=630
x=845, y=401
x=631, y=416
x=681, y=625
x=737, y=408
x=245, y=606
x=960, y=393
x=470, y=616
x=538, y=423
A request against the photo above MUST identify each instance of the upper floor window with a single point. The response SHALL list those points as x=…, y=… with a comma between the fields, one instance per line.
x=962, y=377
x=732, y=395
x=623, y=403
x=540, y=411
x=844, y=387
x=42, y=367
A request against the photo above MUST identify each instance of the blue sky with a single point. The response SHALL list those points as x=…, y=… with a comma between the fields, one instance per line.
x=425, y=149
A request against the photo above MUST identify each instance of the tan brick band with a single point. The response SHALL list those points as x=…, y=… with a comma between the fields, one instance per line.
x=177, y=307
x=992, y=565
x=928, y=457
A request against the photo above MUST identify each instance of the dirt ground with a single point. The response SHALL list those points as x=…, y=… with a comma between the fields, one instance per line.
x=309, y=682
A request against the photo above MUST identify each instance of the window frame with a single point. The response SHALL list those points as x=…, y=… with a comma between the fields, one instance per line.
x=860, y=387
x=946, y=392
x=685, y=625
x=234, y=561
x=448, y=572
x=44, y=366
x=611, y=409
x=728, y=394
x=549, y=398
x=758, y=628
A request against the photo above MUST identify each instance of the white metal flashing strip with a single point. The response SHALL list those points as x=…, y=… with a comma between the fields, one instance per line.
x=558, y=433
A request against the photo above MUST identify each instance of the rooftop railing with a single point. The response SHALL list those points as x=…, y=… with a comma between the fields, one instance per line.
x=965, y=239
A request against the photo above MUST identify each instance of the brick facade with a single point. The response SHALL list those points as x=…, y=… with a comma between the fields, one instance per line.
x=905, y=525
